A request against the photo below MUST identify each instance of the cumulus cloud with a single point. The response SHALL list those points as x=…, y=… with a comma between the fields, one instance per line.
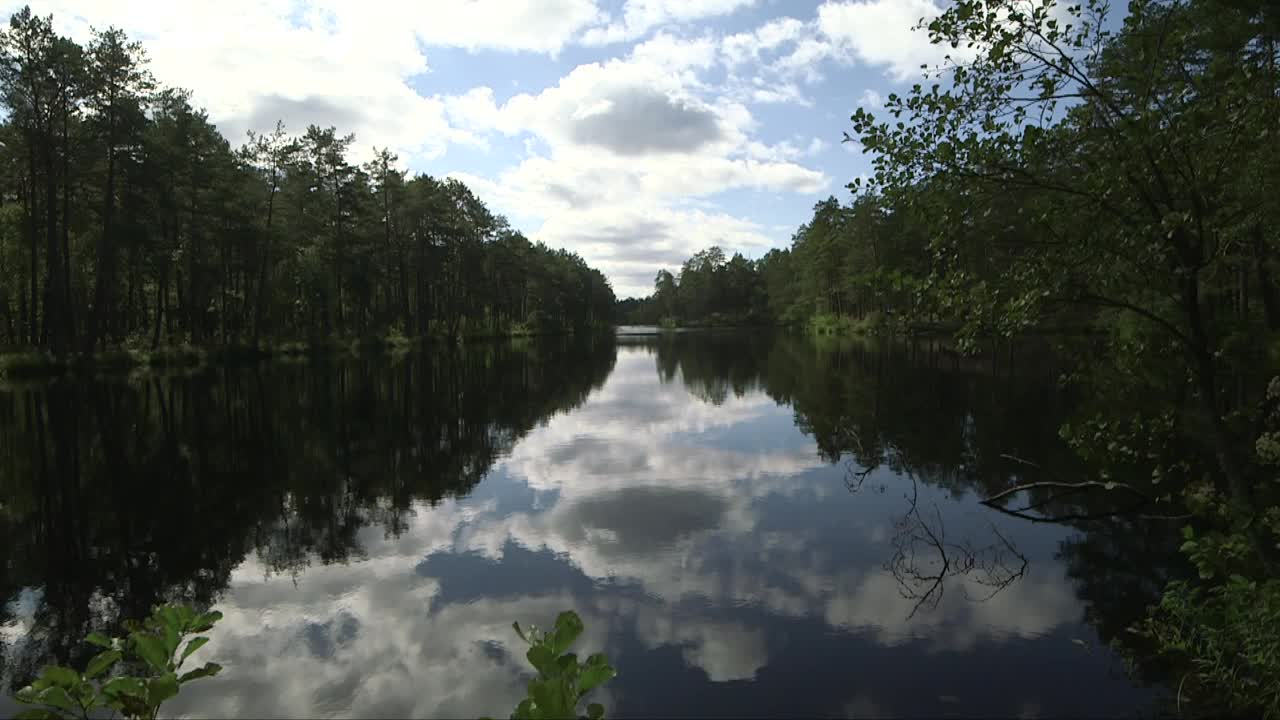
x=678, y=54
x=250, y=63
x=871, y=99
x=748, y=46
x=539, y=25
x=882, y=32
x=643, y=122
x=725, y=651
x=627, y=143
x=641, y=16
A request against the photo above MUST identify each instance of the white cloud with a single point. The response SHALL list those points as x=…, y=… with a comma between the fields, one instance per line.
x=745, y=47
x=641, y=16
x=677, y=54
x=804, y=59
x=881, y=32
x=779, y=93
x=476, y=109
x=539, y=25
x=725, y=651
x=250, y=63
x=628, y=144
x=871, y=99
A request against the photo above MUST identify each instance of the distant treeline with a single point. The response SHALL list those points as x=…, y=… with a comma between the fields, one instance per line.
x=857, y=262
x=126, y=219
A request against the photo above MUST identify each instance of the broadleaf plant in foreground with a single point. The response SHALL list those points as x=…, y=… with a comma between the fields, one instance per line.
x=160, y=646
x=157, y=647
x=562, y=681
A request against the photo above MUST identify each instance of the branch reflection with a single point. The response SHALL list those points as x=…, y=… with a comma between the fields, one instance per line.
x=924, y=560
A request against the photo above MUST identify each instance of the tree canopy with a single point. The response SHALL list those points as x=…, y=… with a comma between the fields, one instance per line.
x=127, y=219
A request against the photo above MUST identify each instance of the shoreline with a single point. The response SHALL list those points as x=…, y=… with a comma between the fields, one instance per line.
x=32, y=363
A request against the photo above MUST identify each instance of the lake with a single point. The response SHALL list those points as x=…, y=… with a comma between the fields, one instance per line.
x=748, y=525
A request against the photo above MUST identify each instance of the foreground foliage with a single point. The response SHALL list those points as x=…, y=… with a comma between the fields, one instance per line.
x=562, y=681
x=157, y=648
x=1222, y=631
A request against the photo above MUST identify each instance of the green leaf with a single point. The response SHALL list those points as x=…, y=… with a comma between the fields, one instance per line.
x=86, y=695
x=171, y=622
x=169, y=617
x=101, y=663
x=57, y=697
x=26, y=695
x=541, y=658
x=206, y=670
x=102, y=641
x=523, y=711
x=191, y=647
x=161, y=689
x=124, y=687
x=595, y=711
x=151, y=649
x=204, y=622
x=59, y=676
x=516, y=626
x=547, y=701
x=568, y=628
x=595, y=673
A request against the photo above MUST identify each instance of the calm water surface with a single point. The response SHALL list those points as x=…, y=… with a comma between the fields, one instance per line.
x=747, y=526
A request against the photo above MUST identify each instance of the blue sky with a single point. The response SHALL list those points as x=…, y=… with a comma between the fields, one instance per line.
x=635, y=132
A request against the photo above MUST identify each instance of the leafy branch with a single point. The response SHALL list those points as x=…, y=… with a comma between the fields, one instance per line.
x=562, y=681
x=158, y=645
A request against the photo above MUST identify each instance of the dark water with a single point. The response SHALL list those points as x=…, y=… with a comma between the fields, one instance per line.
x=747, y=526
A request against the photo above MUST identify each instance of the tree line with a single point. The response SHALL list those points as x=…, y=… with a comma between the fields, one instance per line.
x=850, y=262
x=127, y=219
x=1072, y=167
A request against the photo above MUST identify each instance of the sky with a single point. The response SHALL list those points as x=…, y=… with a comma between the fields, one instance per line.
x=634, y=132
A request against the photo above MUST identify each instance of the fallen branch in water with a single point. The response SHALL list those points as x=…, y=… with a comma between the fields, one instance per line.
x=1074, y=517
x=1065, y=489
x=1071, y=488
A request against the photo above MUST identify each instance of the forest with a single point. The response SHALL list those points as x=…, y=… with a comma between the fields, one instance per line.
x=128, y=222
x=1106, y=179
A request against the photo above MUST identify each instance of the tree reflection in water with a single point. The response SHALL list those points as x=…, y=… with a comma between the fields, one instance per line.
x=117, y=494
x=664, y=513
